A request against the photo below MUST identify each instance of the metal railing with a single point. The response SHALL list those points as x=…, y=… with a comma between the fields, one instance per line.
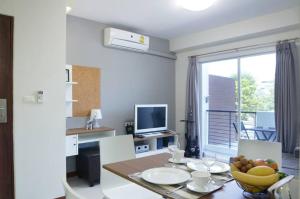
x=220, y=127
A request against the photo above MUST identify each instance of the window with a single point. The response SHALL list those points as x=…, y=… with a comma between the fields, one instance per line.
x=238, y=97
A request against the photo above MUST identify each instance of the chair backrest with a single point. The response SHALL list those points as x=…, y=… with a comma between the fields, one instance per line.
x=243, y=129
x=255, y=149
x=70, y=193
x=287, y=187
x=235, y=128
x=115, y=149
x=260, y=136
x=265, y=119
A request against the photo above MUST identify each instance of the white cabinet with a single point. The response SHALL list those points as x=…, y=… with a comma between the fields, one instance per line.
x=75, y=137
x=71, y=145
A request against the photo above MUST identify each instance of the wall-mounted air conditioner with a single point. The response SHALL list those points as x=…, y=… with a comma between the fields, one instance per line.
x=123, y=39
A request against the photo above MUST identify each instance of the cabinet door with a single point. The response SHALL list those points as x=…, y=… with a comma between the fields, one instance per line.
x=71, y=145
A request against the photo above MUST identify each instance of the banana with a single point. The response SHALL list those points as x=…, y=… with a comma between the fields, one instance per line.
x=261, y=171
x=255, y=180
x=233, y=168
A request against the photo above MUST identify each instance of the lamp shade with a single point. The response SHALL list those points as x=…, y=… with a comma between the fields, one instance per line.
x=96, y=114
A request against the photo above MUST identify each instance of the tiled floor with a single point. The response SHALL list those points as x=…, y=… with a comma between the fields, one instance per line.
x=83, y=189
x=290, y=164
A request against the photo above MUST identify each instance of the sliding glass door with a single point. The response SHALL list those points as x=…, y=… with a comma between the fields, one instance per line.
x=238, y=101
x=257, y=76
x=220, y=104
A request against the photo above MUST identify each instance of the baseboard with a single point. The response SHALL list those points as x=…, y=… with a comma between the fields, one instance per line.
x=72, y=174
x=63, y=197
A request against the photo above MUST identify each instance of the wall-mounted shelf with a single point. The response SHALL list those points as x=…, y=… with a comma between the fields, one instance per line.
x=71, y=101
x=71, y=83
x=69, y=91
x=82, y=90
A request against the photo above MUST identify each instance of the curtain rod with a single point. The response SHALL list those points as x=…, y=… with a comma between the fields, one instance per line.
x=247, y=47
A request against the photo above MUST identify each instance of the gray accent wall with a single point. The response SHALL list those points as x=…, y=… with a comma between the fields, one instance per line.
x=127, y=77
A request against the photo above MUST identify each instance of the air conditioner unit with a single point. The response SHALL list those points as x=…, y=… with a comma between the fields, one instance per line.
x=123, y=39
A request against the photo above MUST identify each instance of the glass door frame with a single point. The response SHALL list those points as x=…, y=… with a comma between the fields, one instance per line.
x=203, y=105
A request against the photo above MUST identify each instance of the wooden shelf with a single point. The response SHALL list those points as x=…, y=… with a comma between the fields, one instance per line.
x=79, y=131
x=71, y=83
x=71, y=101
x=168, y=134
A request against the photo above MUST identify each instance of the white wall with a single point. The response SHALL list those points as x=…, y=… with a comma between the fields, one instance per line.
x=127, y=77
x=183, y=43
x=255, y=27
x=39, y=64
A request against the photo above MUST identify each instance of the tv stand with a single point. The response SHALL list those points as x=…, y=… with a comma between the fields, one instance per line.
x=149, y=134
x=156, y=140
x=153, y=136
x=139, y=136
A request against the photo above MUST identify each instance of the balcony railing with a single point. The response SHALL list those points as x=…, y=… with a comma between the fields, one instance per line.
x=221, y=130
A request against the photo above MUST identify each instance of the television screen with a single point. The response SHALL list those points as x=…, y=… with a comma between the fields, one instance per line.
x=150, y=118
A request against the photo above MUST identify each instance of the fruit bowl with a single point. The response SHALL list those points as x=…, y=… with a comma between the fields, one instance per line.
x=254, y=176
x=251, y=188
x=254, y=192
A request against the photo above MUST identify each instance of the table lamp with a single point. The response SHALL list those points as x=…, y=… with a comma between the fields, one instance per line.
x=96, y=115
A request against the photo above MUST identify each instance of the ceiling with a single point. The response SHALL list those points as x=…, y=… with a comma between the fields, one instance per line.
x=165, y=19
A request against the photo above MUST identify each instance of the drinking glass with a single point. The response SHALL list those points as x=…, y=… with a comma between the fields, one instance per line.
x=172, y=149
x=177, y=141
x=209, y=161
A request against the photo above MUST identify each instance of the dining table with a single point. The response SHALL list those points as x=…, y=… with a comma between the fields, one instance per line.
x=125, y=169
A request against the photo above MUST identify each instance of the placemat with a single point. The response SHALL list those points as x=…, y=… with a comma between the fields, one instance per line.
x=183, y=193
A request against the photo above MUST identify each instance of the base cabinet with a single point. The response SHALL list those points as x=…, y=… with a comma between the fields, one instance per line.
x=71, y=145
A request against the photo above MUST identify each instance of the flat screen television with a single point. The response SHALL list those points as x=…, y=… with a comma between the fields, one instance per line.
x=150, y=118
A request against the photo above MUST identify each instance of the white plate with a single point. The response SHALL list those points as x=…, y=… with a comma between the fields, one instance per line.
x=218, y=167
x=166, y=176
x=182, y=161
x=210, y=187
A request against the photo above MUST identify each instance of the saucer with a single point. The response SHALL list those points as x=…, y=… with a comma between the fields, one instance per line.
x=210, y=187
x=182, y=161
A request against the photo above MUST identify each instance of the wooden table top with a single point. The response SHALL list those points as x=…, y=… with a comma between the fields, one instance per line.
x=124, y=168
x=79, y=131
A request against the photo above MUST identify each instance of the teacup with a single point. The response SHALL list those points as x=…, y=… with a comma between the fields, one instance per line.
x=178, y=155
x=201, y=177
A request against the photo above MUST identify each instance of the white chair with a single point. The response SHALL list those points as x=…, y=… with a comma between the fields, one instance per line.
x=115, y=149
x=255, y=149
x=286, y=188
x=70, y=193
